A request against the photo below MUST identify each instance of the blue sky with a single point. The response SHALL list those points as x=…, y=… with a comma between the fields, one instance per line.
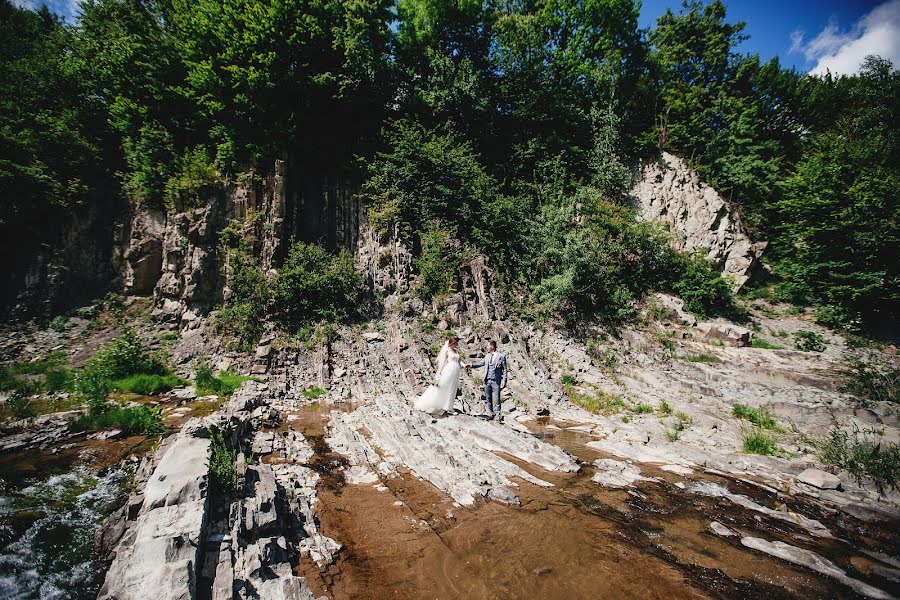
x=811, y=35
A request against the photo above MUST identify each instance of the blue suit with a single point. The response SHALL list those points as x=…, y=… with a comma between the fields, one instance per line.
x=495, y=372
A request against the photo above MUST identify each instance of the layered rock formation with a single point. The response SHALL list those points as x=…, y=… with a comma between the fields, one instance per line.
x=670, y=192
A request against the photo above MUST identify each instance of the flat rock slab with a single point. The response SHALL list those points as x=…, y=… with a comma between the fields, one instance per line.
x=458, y=454
x=819, y=479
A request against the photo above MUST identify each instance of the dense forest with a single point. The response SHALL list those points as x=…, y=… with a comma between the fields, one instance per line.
x=506, y=126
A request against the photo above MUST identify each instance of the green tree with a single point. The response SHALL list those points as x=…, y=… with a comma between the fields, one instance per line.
x=51, y=135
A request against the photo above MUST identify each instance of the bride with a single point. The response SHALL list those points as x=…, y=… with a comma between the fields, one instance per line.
x=440, y=396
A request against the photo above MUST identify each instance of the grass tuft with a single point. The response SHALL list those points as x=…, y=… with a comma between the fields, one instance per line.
x=147, y=385
x=760, y=442
x=759, y=342
x=762, y=417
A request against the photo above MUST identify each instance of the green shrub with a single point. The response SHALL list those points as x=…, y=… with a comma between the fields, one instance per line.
x=125, y=356
x=58, y=379
x=701, y=285
x=147, y=385
x=761, y=417
x=314, y=284
x=244, y=314
x=195, y=173
x=872, y=380
x=437, y=262
x=868, y=456
x=313, y=392
x=808, y=341
x=600, y=402
x=567, y=379
x=20, y=405
x=222, y=464
x=642, y=409
x=224, y=384
x=664, y=408
x=759, y=442
x=59, y=324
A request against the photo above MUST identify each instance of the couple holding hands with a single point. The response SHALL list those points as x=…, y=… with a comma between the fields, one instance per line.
x=439, y=397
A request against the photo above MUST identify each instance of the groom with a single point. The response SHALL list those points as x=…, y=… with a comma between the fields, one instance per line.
x=495, y=371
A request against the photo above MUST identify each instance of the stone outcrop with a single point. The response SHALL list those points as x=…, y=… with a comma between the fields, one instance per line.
x=164, y=538
x=670, y=192
x=160, y=548
x=143, y=255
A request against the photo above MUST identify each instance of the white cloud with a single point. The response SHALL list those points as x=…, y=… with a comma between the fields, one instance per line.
x=842, y=52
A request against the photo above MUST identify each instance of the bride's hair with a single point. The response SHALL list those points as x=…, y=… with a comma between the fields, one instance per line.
x=453, y=340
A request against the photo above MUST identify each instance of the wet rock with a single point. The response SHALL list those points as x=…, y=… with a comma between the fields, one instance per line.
x=811, y=560
x=720, y=529
x=814, y=527
x=614, y=473
x=820, y=479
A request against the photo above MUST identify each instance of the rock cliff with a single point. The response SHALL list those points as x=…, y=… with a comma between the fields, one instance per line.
x=700, y=219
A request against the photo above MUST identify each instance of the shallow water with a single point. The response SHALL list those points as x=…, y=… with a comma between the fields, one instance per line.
x=48, y=531
x=575, y=540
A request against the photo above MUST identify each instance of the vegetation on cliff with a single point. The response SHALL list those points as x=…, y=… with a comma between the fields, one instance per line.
x=508, y=126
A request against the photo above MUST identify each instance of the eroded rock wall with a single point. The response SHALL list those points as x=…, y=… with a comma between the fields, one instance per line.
x=669, y=191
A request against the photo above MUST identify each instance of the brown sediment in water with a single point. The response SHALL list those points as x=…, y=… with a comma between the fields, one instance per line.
x=20, y=467
x=574, y=540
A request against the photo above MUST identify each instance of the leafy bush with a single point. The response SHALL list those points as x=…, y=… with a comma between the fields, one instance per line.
x=437, y=262
x=761, y=417
x=597, y=402
x=313, y=392
x=246, y=309
x=704, y=291
x=664, y=408
x=425, y=175
x=20, y=405
x=701, y=358
x=759, y=442
x=808, y=341
x=125, y=356
x=59, y=324
x=314, y=284
x=222, y=463
x=872, y=380
x=195, y=172
x=58, y=379
x=866, y=456
x=642, y=409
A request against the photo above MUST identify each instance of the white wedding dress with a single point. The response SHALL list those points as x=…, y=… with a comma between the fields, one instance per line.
x=440, y=396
